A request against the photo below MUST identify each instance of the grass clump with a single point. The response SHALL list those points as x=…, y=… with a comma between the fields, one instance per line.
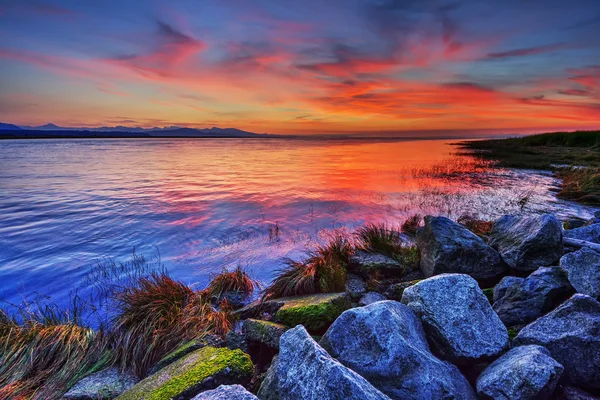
x=379, y=238
x=411, y=224
x=580, y=184
x=479, y=227
x=323, y=270
x=237, y=280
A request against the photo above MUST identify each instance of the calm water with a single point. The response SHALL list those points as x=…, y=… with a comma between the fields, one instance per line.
x=204, y=205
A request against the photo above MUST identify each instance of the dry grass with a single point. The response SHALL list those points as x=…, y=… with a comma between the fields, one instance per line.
x=411, y=225
x=323, y=270
x=580, y=184
x=237, y=280
x=479, y=227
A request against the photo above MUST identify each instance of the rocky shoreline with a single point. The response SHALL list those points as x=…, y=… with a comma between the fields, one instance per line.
x=512, y=315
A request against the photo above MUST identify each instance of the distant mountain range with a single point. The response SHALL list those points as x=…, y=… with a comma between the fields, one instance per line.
x=52, y=130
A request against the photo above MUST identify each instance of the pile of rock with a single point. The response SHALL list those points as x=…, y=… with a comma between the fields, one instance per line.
x=536, y=337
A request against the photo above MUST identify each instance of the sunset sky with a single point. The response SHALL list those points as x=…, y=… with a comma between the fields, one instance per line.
x=310, y=66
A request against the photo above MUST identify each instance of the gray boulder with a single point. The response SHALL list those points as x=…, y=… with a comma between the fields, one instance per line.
x=365, y=263
x=226, y=392
x=583, y=270
x=528, y=242
x=520, y=301
x=448, y=247
x=355, y=286
x=106, y=384
x=527, y=372
x=572, y=335
x=385, y=343
x=590, y=233
x=303, y=370
x=370, y=298
x=459, y=321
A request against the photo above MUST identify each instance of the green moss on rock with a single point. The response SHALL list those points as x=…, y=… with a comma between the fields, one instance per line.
x=316, y=312
x=188, y=376
x=265, y=332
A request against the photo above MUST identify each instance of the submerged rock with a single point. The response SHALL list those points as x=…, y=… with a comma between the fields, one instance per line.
x=226, y=392
x=583, y=270
x=527, y=372
x=519, y=301
x=365, y=263
x=355, y=286
x=459, y=321
x=201, y=370
x=528, y=242
x=590, y=233
x=370, y=298
x=315, y=311
x=385, y=343
x=105, y=385
x=303, y=370
x=263, y=332
x=572, y=335
x=448, y=247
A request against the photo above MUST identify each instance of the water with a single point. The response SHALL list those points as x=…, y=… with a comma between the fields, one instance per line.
x=205, y=205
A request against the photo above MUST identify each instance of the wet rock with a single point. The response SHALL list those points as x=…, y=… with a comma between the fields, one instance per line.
x=583, y=270
x=316, y=312
x=526, y=372
x=355, y=286
x=459, y=321
x=448, y=247
x=395, y=291
x=520, y=301
x=366, y=263
x=263, y=332
x=106, y=384
x=304, y=370
x=590, y=233
x=385, y=343
x=199, y=371
x=572, y=335
x=371, y=297
x=227, y=392
x=528, y=242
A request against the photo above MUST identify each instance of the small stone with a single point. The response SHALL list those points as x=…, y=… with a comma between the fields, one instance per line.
x=106, y=384
x=355, y=286
x=526, y=372
x=371, y=297
x=226, y=392
x=583, y=270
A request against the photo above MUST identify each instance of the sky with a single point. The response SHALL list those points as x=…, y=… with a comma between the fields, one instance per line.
x=310, y=66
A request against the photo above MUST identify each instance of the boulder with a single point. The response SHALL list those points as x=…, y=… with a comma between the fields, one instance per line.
x=583, y=270
x=226, y=392
x=395, y=291
x=199, y=371
x=385, y=343
x=448, y=247
x=106, y=384
x=459, y=321
x=263, y=332
x=526, y=372
x=315, y=311
x=572, y=335
x=303, y=370
x=522, y=300
x=528, y=242
x=355, y=286
x=365, y=263
x=590, y=233
x=371, y=297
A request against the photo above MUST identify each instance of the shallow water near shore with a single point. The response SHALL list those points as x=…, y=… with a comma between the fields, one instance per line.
x=205, y=205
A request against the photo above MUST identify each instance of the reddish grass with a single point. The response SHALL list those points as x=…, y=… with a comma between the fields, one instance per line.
x=237, y=280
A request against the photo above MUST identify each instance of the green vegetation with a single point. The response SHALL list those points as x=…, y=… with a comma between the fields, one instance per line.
x=574, y=156
x=234, y=281
x=322, y=271
x=379, y=238
x=316, y=312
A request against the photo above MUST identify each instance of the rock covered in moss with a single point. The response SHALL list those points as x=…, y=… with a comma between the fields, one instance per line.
x=264, y=332
x=459, y=321
x=178, y=353
x=583, y=270
x=103, y=385
x=315, y=311
x=519, y=301
x=226, y=392
x=370, y=298
x=527, y=243
x=523, y=373
x=303, y=370
x=355, y=286
x=365, y=263
x=448, y=247
x=572, y=335
x=385, y=343
x=200, y=370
